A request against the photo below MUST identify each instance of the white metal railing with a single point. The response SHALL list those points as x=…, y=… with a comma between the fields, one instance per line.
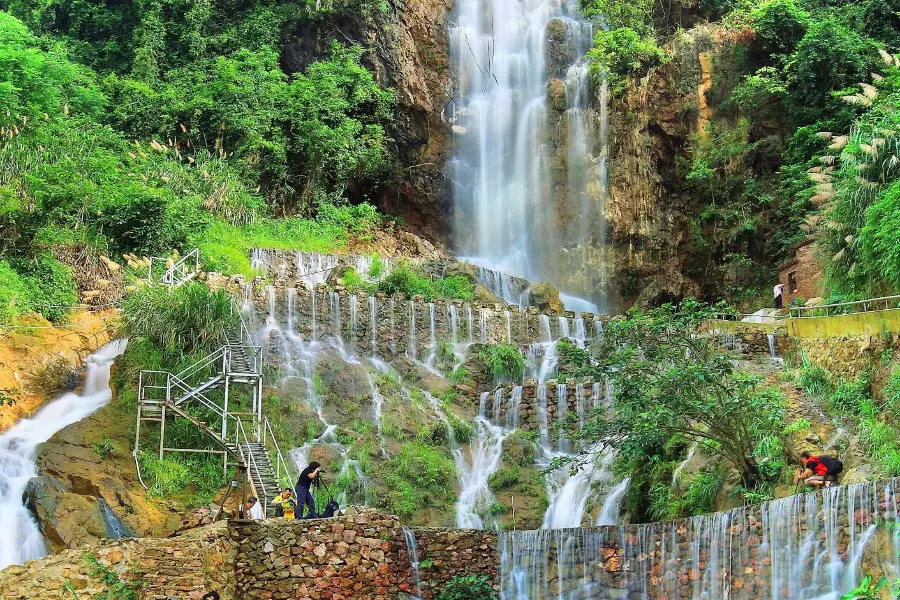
x=243, y=442
x=280, y=462
x=845, y=308
x=176, y=273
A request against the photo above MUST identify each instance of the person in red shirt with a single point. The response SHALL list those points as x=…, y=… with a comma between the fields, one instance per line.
x=819, y=471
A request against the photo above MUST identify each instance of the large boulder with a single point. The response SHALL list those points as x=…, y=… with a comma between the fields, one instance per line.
x=467, y=270
x=67, y=519
x=346, y=387
x=544, y=296
x=560, y=48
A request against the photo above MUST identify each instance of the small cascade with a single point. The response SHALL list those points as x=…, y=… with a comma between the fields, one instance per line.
x=598, y=328
x=314, y=268
x=550, y=357
x=687, y=460
x=246, y=296
x=271, y=318
x=373, y=323
x=580, y=333
x=432, y=338
x=485, y=450
x=378, y=403
x=338, y=339
x=564, y=327
x=484, y=326
x=596, y=391
x=115, y=528
x=509, y=339
x=543, y=418
x=22, y=539
x=773, y=351
x=411, y=347
x=834, y=440
x=413, y=550
x=612, y=504
x=393, y=330
x=354, y=316
x=469, y=322
x=314, y=335
x=512, y=290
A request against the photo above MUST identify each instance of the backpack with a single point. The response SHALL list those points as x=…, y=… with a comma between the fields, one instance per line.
x=331, y=509
x=834, y=465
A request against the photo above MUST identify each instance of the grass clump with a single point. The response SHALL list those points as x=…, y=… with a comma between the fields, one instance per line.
x=504, y=362
x=200, y=477
x=187, y=319
x=418, y=476
x=404, y=279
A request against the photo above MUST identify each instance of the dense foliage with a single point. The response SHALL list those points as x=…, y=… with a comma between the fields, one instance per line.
x=675, y=387
x=798, y=140
x=179, y=128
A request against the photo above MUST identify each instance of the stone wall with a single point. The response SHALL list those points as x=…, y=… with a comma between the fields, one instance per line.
x=402, y=323
x=448, y=553
x=183, y=567
x=538, y=407
x=357, y=556
x=743, y=554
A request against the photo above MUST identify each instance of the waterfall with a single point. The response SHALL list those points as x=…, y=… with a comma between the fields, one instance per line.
x=314, y=268
x=580, y=333
x=393, y=330
x=413, y=550
x=504, y=53
x=773, y=353
x=563, y=327
x=22, y=538
x=687, y=460
x=411, y=349
x=806, y=546
x=484, y=326
x=469, y=322
x=475, y=497
x=512, y=290
x=354, y=315
x=373, y=322
x=432, y=337
x=612, y=505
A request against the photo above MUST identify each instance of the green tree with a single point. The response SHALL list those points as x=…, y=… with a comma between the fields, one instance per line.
x=671, y=379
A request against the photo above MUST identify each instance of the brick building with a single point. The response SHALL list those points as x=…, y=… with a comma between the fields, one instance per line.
x=801, y=275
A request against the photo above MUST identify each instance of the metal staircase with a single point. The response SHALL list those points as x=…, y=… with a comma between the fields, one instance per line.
x=218, y=387
x=174, y=273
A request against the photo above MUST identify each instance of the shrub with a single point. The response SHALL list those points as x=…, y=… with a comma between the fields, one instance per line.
x=471, y=587
x=780, y=25
x=52, y=287
x=14, y=293
x=504, y=478
x=618, y=53
x=503, y=361
x=815, y=380
x=187, y=319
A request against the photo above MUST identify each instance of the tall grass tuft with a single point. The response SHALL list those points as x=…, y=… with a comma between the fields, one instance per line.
x=185, y=320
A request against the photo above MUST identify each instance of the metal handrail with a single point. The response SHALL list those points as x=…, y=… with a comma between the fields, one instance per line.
x=737, y=317
x=193, y=392
x=868, y=305
x=204, y=362
x=252, y=463
x=279, y=458
x=168, y=277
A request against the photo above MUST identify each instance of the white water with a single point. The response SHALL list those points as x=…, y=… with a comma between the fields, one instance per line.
x=501, y=177
x=21, y=539
x=485, y=453
x=413, y=550
x=780, y=559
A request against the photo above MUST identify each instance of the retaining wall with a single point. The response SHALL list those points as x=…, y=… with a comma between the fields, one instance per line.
x=322, y=312
x=768, y=550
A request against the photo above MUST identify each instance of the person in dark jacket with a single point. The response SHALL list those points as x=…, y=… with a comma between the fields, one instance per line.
x=819, y=471
x=308, y=478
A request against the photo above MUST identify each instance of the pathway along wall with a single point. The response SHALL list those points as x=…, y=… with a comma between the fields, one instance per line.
x=804, y=546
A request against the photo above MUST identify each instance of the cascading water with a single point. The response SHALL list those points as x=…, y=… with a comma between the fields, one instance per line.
x=21, y=539
x=504, y=54
x=806, y=546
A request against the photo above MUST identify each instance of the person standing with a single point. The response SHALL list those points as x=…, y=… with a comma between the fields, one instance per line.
x=308, y=477
x=779, y=295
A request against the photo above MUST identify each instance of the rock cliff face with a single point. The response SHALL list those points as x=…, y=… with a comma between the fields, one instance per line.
x=651, y=124
x=408, y=52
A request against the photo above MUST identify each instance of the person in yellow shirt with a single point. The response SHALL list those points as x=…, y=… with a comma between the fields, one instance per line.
x=287, y=503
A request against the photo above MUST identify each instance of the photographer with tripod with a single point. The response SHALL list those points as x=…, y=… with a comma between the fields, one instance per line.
x=308, y=478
